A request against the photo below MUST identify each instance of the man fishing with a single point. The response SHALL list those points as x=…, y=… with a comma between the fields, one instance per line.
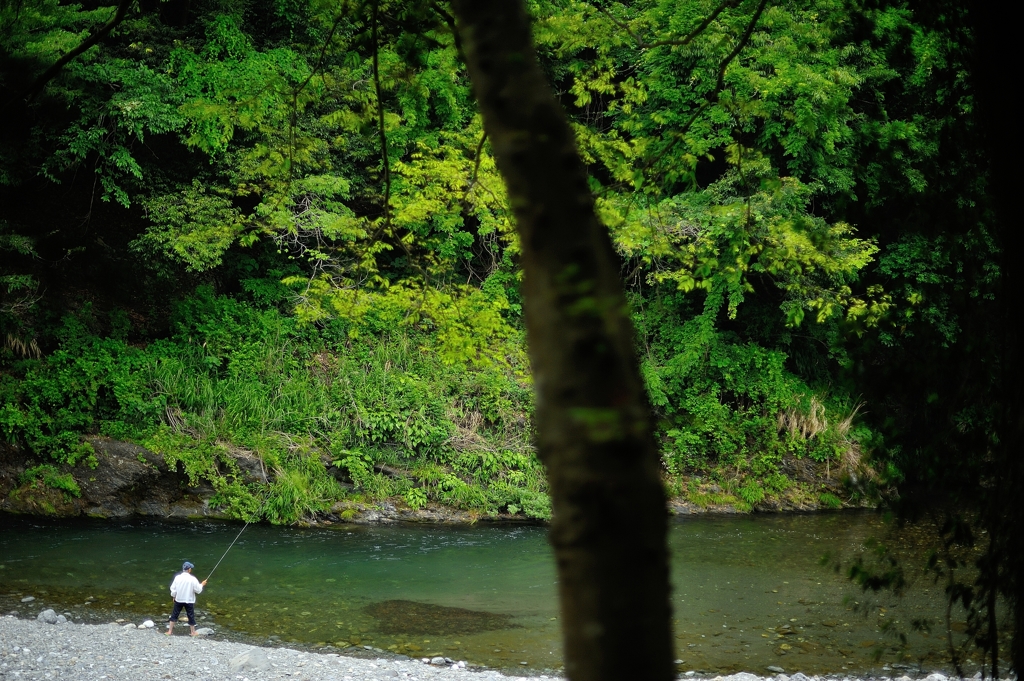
x=183, y=590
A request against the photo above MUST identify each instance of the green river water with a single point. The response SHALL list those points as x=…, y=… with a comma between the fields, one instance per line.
x=749, y=592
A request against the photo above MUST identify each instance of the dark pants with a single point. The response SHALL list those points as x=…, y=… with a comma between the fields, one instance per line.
x=190, y=608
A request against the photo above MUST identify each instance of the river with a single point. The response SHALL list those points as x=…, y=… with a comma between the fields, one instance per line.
x=749, y=591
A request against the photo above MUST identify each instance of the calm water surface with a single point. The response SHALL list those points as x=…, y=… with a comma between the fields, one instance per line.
x=748, y=591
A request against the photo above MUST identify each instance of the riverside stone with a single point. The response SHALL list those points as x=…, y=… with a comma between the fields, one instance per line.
x=254, y=659
x=48, y=616
x=741, y=676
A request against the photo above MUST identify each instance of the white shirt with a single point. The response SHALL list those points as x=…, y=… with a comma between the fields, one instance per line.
x=185, y=587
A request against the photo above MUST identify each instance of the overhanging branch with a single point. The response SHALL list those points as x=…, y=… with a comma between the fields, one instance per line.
x=685, y=40
x=51, y=73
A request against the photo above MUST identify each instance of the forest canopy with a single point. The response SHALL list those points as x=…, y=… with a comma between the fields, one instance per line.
x=278, y=226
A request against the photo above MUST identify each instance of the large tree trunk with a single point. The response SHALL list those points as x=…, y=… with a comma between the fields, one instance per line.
x=593, y=420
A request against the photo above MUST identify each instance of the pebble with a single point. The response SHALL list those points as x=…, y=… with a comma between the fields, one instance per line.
x=28, y=599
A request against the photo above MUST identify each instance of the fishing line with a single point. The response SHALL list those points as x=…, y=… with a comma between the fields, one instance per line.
x=265, y=500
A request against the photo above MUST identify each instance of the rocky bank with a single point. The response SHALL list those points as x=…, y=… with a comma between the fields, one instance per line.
x=130, y=480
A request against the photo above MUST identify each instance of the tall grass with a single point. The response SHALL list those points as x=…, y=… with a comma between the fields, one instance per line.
x=382, y=408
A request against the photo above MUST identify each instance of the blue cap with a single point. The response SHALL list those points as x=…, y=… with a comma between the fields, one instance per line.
x=187, y=566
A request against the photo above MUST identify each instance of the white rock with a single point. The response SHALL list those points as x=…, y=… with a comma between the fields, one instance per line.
x=48, y=616
x=128, y=626
x=254, y=659
x=205, y=631
x=935, y=676
x=437, y=660
x=61, y=619
x=742, y=676
x=148, y=624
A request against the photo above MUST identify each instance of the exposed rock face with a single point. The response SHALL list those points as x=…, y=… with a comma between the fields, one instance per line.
x=384, y=513
x=129, y=480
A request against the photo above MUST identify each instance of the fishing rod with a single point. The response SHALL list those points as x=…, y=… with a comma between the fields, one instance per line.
x=257, y=515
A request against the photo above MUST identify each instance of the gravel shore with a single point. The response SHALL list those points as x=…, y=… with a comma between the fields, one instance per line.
x=36, y=650
x=31, y=649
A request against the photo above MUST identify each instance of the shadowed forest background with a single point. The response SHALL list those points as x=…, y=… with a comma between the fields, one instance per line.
x=277, y=227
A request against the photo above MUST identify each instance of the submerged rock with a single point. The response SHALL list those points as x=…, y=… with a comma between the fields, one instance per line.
x=410, y=617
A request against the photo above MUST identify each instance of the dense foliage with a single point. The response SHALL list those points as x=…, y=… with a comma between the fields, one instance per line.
x=277, y=227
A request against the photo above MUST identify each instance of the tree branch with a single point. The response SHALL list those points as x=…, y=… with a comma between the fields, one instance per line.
x=380, y=118
x=744, y=39
x=719, y=82
x=50, y=73
x=450, y=20
x=295, y=94
x=686, y=40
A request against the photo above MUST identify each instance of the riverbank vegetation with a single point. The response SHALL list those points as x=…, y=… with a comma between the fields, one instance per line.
x=277, y=228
